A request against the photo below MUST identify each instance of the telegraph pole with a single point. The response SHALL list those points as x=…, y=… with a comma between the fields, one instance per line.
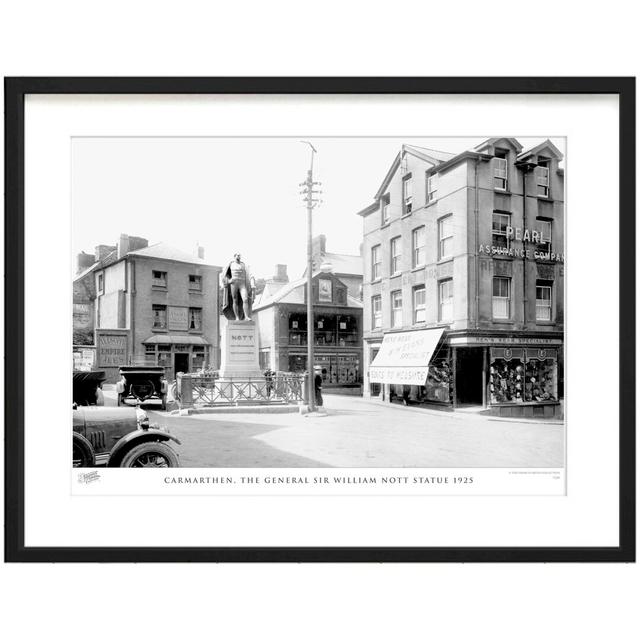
x=311, y=203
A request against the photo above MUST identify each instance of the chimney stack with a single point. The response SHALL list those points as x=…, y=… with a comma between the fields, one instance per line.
x=85, y=260
x=281, y=273
x=103, y=250
x=200, y=252
x=136, y=243
x=123, y=245
x=319, y=245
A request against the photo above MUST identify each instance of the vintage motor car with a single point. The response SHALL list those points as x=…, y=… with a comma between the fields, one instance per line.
x=140, y=384
x=120, y=437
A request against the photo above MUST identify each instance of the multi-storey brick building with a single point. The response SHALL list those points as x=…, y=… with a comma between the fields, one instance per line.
x=281, y=314
x=156, y=305
x=471, y=248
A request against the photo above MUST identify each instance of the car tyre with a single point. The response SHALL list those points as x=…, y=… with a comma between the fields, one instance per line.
x=82, y=454
x=150, y=455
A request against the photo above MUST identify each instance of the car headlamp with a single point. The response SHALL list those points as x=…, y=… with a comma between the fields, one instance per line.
x=142, y=418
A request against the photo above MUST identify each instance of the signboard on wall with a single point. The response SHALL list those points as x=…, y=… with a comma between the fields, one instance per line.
x=82, y=316
x=324, y=290
x=83, y=359
x=112, y=350
x=178, y=318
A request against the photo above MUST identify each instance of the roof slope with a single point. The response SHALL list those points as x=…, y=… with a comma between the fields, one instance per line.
x=431, y=156
x=344, y=264
x=547, y=144
x=293, y=293
x=163, y=251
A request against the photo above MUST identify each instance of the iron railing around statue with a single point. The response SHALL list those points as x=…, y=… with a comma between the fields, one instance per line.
x=192, y=389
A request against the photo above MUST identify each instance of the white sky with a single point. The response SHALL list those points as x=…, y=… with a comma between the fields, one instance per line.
x=233, y=194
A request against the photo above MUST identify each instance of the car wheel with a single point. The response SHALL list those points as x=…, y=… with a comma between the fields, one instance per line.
x=81, y=454
x=150, y=455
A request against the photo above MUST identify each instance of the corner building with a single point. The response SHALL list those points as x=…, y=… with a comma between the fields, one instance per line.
x=470, y=245
x=155, y=305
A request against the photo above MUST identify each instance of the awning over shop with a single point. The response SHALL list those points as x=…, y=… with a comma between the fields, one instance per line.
x=404, y=357
x=172, y=338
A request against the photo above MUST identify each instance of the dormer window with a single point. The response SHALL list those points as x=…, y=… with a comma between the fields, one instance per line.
x=542, y=177
x=407, y=194
x=500, y=181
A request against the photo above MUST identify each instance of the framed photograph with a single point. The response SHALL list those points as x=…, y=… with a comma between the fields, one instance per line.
x=320, y=319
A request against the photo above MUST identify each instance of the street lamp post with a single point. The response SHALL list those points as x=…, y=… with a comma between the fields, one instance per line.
x=311, y=202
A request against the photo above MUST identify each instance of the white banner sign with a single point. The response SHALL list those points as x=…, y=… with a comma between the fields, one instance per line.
x=404, y=357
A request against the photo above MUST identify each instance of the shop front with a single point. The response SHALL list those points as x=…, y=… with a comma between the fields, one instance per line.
x=412, y=366
x=340, y=369
x=516, y=375
x=510, y=376
x=177, y=353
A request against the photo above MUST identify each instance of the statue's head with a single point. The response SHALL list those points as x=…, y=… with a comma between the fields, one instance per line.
x=236, y=257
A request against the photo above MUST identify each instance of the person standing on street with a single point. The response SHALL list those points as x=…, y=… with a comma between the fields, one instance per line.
x=317, y=384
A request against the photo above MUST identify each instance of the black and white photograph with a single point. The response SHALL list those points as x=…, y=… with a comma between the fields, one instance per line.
x=320, y=320
x=307, y=326
x=319, y=302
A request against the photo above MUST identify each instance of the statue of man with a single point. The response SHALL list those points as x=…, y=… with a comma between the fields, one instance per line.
x=239, y=286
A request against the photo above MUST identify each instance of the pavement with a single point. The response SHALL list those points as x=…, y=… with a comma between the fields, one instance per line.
x=358, y=433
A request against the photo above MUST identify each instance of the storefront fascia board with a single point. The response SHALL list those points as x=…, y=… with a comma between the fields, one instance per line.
x=485, y=341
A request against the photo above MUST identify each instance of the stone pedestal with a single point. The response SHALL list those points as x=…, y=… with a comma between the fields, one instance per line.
x=239, y=349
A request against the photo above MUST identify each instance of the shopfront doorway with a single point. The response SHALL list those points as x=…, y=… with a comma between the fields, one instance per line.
x=181, y=363
x=469, y=364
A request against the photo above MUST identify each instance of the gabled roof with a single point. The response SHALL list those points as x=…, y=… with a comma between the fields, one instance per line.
x=293, y=293
x=547, y=146
x=431, y=156
x=492, y=141
x=288, y=291
x=163, y=251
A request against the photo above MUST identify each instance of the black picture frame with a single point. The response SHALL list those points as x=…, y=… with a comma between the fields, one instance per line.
x=15, y=91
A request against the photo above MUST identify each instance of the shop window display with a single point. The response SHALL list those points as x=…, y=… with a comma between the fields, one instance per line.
x=438, y=387
x=507, y=376
x=541, y=380
x=348, y=369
